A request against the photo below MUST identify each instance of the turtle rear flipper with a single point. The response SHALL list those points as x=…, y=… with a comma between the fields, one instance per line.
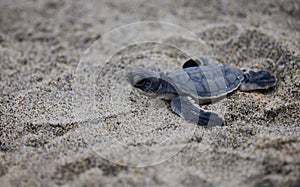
x=257, y=80
x=187, y=109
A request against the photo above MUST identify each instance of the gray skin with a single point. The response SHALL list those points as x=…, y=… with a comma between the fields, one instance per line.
x=198, y=84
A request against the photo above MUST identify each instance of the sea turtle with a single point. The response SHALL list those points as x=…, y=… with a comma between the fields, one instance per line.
x=198, y=84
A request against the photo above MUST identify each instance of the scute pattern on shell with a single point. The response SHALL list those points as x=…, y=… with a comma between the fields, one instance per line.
x=207, y=81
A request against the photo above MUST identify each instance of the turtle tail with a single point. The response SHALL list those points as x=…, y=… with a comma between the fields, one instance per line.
x=257, y=80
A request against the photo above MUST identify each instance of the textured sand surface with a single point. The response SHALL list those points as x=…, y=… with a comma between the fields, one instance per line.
x=50, y=136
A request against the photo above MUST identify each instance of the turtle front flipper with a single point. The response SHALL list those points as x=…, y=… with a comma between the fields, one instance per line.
x=195, y=63
x=257, y=80
x=188, y=110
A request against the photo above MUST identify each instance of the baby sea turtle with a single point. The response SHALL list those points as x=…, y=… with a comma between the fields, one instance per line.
x=198, y=84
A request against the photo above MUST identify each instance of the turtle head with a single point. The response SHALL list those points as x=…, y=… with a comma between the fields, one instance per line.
x=257, y=80
x=147, y=81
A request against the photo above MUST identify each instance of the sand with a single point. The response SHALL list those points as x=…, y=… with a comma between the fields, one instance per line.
x=69, y=117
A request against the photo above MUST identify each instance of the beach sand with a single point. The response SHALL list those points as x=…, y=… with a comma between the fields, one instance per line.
x=69, y=117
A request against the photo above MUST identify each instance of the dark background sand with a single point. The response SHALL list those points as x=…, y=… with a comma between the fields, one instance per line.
x=43, y=142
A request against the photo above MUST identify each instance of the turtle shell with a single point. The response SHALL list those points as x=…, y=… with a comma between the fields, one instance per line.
x=206, y=82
